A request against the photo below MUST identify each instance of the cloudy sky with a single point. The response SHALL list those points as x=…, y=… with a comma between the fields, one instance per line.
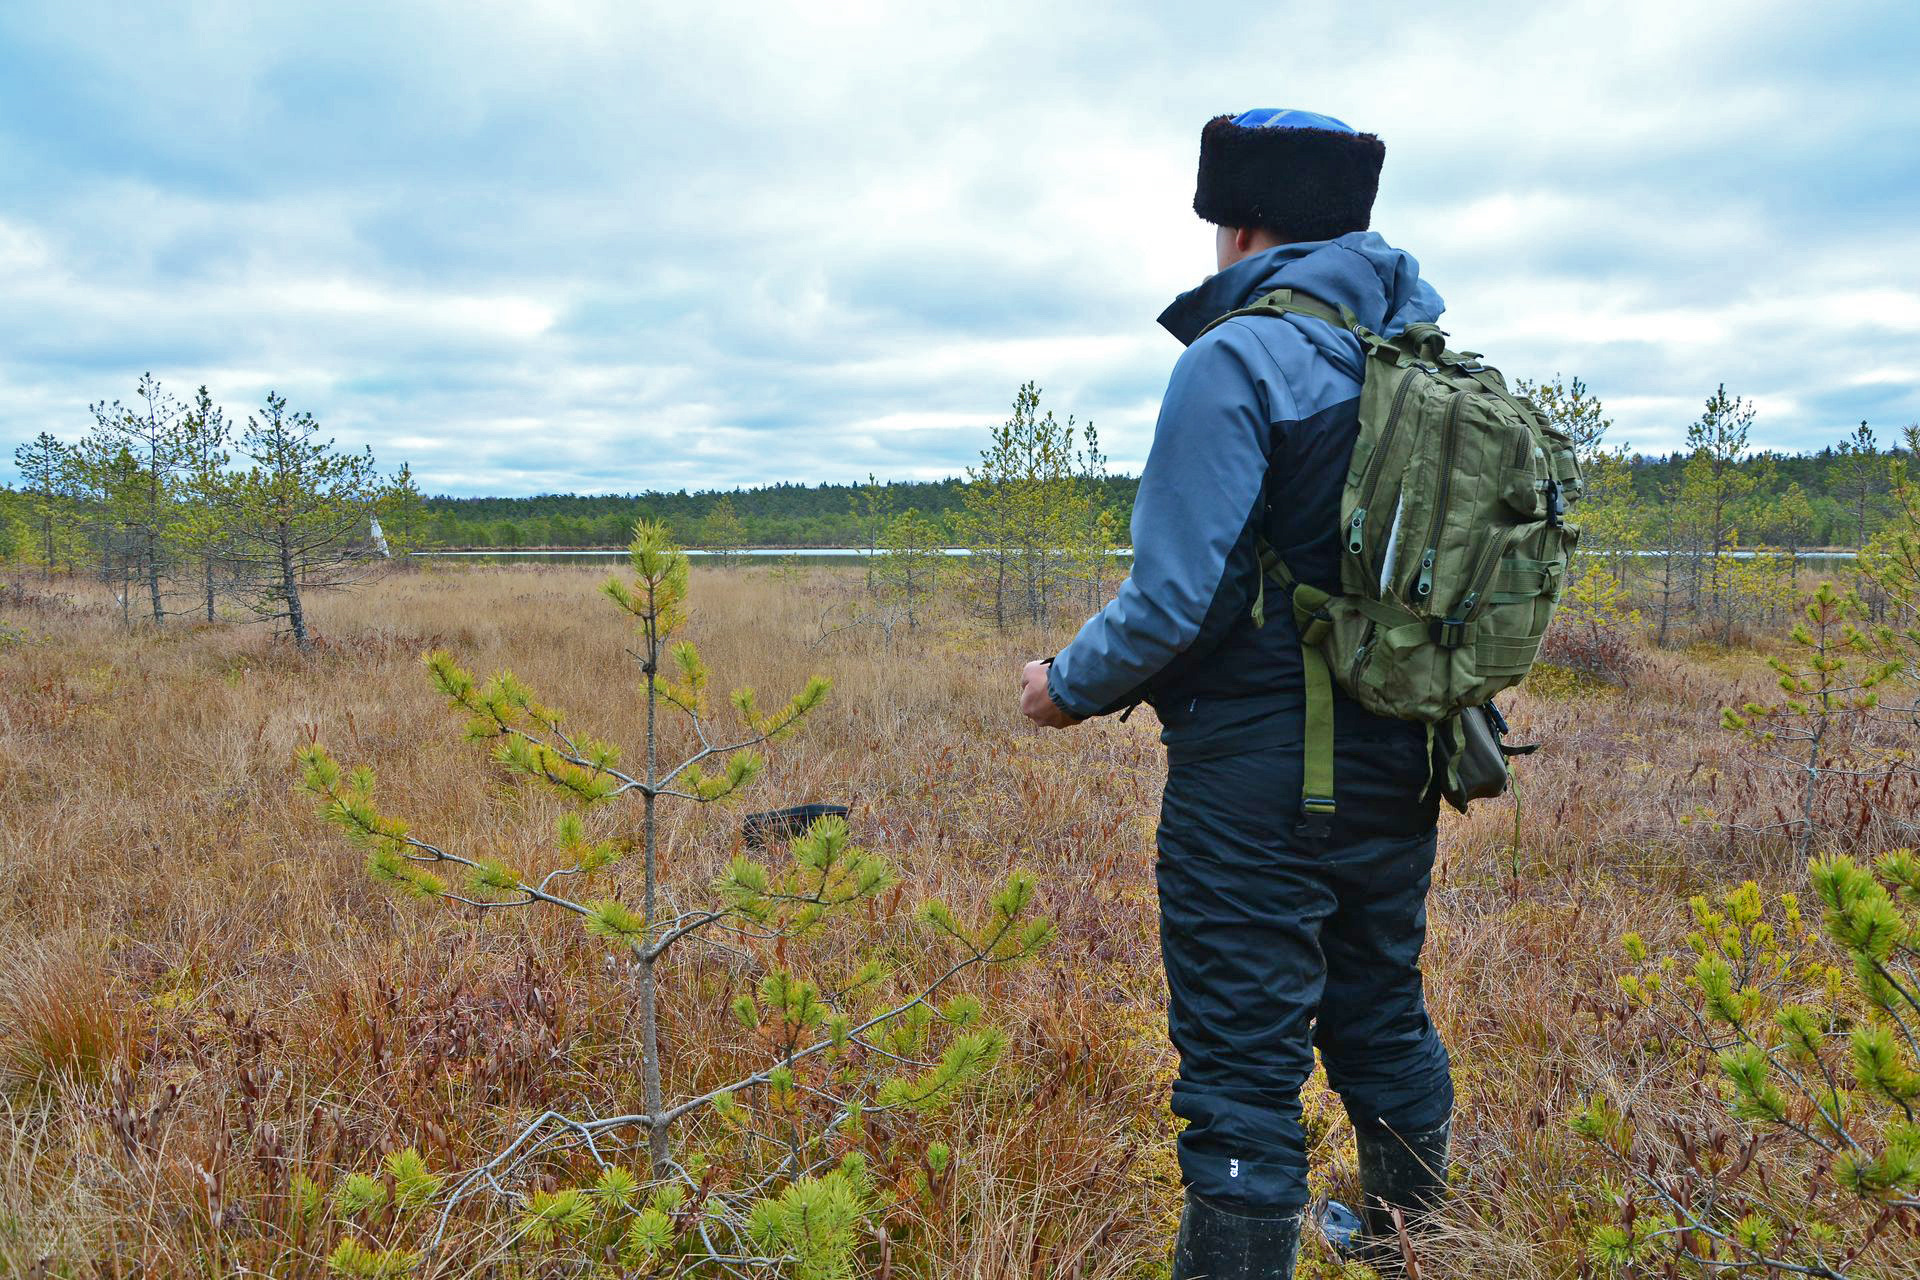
x=609, y=245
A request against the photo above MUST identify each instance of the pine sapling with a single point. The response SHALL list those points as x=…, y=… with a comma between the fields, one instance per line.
x=834, y=1053
x=1830, y=692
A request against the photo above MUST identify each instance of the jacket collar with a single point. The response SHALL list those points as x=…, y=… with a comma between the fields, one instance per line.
x=1187, y=315
x=1360, y=271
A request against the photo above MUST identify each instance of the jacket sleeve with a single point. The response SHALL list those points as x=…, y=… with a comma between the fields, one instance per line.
x=1195, y=522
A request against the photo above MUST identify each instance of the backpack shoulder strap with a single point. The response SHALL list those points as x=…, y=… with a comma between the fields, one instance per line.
x=1282, y=301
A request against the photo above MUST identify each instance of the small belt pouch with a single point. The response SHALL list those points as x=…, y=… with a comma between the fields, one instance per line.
x=1479, y=764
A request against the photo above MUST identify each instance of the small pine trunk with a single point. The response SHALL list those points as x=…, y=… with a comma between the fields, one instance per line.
x=290, y=591
x=657, y=1149
x=153, y=578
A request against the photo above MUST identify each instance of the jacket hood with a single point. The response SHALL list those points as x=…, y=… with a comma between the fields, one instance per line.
x=1360, y=271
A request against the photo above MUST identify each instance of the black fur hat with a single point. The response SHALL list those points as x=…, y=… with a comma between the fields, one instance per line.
x=1301, y=175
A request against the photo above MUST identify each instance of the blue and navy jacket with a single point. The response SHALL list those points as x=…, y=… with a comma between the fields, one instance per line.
x=1254, y=438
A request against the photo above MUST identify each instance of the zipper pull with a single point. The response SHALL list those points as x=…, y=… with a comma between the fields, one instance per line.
x=1355, y=529
x=1359, y=660
x=1425, y=585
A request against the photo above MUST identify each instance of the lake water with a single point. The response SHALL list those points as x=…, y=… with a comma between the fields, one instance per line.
x=840, y=555
x=753, y=555
x=765, y=553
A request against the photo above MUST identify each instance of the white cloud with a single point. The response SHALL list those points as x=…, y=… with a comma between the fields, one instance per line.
x=601, y=245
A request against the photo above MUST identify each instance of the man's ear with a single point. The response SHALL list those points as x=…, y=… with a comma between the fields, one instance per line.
x=1243, y=240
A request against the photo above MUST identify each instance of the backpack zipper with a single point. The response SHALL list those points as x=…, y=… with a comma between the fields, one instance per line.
x=1356, y=527
x=1470, y=604
x=1449, y=445
x=1360, y=656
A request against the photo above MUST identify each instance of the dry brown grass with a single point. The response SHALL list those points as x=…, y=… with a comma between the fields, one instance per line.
x=203, y=993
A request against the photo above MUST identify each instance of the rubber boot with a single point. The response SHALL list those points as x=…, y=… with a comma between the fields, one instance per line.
x=1404, y=1171
x=1221, y=1243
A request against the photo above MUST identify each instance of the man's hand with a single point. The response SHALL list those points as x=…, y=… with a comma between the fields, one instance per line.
x=1036, y=705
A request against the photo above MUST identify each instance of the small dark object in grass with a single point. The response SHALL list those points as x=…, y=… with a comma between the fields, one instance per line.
x=781, y=824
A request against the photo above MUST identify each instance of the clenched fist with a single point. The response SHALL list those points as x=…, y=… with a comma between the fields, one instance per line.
x=1036, y=705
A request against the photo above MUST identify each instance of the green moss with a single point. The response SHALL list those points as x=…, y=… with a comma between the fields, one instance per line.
x=1548, y=680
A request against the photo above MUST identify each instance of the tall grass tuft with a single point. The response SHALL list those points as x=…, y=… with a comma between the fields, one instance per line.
x=63, y=1020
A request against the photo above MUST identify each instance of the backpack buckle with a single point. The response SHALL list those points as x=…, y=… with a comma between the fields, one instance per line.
x=1449, y=633
x=1316, y=818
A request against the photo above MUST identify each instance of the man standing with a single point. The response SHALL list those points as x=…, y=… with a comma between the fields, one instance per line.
x=1282, y=930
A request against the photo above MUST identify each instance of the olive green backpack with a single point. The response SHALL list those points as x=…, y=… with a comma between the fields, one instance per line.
x=1454, y=550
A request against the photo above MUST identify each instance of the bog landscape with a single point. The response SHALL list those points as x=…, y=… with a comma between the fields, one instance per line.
x=372, y=912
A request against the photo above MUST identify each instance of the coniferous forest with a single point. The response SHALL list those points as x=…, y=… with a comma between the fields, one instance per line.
x=827, y=515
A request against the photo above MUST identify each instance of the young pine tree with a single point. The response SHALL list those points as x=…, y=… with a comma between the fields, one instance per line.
x=402, y=512
x=1570, y=406
x=1859, y=478
x=990, y=508
x=199, y=528
x=1714, y=484
x=791, y=1183
x=297, y=517
x=109, y=488
x=44, y=464
x=1830, y=689
x=722, y=531
x=1029, y=512
x=1597, y=629
x=1788, y=521
x=142, y=500
x=872, y=506
x=910, y=564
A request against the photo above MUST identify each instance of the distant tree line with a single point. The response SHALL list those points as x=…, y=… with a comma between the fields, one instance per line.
x=185, y=513
x=781, y=515
x=1831, y=498
x=152, y=501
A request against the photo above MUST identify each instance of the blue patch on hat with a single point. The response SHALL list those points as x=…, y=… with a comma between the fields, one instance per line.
x=1282, y=118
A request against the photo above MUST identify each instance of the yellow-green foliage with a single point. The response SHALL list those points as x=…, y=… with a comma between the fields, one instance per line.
x=812, y=1222
x=828, y=871
x=413, y=1185
x=1756, y=587
x=556, y=1213
x=353, y=1259
x=359, y=1194
x=1595, y=601
x=1891, y=558
x=1830, y=683
x=1835, y=673
x=1553, y=681
x=1811, y=1033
